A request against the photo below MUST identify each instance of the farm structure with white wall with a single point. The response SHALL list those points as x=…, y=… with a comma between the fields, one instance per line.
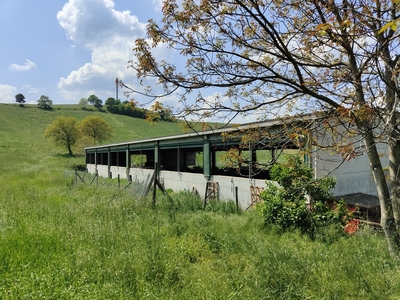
x=193, y=160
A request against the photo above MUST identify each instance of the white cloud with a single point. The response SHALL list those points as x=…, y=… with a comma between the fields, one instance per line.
x=158, y=4
x=31, y=89
x=94, y=23
x=28, y=65
x=98, y=76
x=7, y=93
x=109, y=35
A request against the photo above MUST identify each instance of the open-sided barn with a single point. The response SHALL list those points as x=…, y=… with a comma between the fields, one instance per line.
x=198, y=161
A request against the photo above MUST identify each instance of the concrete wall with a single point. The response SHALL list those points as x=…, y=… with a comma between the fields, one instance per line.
x=91, y=168
x=178, y=181
x=187, y=181
x=102, y=170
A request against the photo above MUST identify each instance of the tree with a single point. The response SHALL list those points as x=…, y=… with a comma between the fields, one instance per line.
x=20, y=99
x=335, y=57
x=95, y=128
x=83, y=103
x=97, y=103
x=158, y=112
x=64, y=131
x=113, y=105
x=45, y=102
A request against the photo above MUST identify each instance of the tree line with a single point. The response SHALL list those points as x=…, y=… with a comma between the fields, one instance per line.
x=156, y=112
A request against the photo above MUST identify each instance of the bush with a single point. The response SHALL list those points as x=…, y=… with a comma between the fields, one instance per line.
x=298, y=201
x=79, y=167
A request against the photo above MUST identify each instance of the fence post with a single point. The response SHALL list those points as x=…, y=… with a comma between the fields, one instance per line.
x=237, y=198
x=155, y=183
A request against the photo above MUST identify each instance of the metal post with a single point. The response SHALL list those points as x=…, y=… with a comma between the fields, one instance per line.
x=155, y=183
x=116, y=88
x=237, y=198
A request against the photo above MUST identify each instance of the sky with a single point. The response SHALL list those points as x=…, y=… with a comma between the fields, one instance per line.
x=68, y=50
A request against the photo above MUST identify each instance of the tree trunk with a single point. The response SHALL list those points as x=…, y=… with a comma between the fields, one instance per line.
x=393, y=152
x=387, y=219
x=70, y=150
x=394, y=169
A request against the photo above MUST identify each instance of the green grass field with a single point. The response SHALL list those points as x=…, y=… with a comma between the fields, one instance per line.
x=58, y=241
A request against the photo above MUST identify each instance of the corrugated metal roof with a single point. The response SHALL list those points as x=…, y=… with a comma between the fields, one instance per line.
x=198, y=134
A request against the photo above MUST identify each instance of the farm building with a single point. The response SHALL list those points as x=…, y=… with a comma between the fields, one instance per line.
x=208, y=162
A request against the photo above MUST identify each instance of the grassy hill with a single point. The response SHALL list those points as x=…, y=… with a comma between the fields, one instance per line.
x=29, y=122
x=22, y=132
x=58, y=241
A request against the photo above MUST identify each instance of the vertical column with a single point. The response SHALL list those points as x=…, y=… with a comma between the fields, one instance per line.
x=178, y=158
x=96, y=157
x=109, y=162
x=127, y=162
x=207, y=159
x=157, y=162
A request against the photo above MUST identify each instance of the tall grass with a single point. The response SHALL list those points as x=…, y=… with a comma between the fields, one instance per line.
x=58, y=241
x=86, y=242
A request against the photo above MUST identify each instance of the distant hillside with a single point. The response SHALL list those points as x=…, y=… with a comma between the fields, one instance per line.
x=30, y=121
x=22, y=128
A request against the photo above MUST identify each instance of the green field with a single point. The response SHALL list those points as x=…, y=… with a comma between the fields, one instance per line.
x=58, y=241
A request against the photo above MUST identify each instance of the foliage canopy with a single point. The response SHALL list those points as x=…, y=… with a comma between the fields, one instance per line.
x=67, y=131
x=64, y=131
x=96, y=128
x=335, y=57
x=95, y=101
x=44, y=102
x=298, y=201
x=83, y=103
x=20, y=98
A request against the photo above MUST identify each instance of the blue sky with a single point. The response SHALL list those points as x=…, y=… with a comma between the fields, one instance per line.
x=68, y=50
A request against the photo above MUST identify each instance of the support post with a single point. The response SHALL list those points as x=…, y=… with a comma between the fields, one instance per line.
x=207, y=159
x=154, y=191
x=237, y=198
x=155, y=182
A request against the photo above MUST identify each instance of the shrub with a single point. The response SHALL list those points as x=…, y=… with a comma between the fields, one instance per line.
x=298, y=201
x=78, y=167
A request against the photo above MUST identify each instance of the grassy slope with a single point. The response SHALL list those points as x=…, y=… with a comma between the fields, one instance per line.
x=29, y=122
x=62, y=242
x=22, y=133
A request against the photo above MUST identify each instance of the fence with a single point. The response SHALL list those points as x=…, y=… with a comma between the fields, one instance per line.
x=138, y=188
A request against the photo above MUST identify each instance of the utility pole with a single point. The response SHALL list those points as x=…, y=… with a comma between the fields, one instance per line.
x=116, y=88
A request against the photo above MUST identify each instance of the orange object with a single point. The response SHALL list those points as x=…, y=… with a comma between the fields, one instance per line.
x=352, y=226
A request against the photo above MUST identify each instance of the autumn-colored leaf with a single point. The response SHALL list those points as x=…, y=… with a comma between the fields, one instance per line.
x=392, y=25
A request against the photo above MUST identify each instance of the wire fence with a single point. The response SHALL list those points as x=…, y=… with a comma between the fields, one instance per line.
x=139, y=188
x=136, y=187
